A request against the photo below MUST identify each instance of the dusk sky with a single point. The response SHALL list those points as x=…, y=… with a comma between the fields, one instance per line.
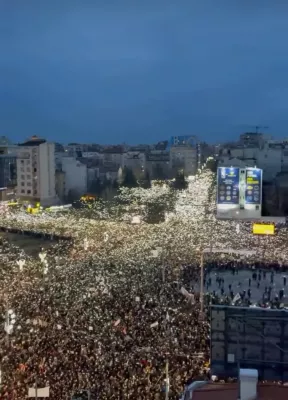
x=141, y=71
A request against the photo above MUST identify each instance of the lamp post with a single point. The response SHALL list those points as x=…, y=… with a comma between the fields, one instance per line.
x=10, y=319
x=202, y=283
x=167, y=383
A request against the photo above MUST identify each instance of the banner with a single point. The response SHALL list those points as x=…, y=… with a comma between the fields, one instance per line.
x=228, y=185
x=39, y=392
x=263, y=229
x=253, y=190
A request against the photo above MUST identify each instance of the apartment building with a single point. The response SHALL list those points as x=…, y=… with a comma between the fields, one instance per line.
x=71, y=178
x=36, y=171
x=269, y=155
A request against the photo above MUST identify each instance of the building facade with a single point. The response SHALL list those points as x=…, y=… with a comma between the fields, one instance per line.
x=36, y=172
x=184, y=157
x=269, y=155
x=8, y=171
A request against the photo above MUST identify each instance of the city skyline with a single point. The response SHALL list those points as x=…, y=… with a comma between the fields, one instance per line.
x=142, y=73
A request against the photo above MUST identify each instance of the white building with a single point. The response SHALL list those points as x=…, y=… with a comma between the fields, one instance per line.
x=270, y=155
x=72, y=177
x=36, y=172
x=113, y=155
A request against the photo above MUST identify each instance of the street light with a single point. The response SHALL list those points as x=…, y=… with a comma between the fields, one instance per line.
x=10, y=319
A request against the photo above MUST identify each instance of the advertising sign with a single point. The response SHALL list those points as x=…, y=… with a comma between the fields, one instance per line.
x=253, y=186
x=228, y=185
x=263, y=229
x=182, y=140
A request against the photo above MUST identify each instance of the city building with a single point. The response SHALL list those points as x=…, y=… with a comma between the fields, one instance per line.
x=256, y=150
x=71, y=178
x=135, y=160
x=158, y=164
x=36, y=172
x=184, y=154
x=112, y=156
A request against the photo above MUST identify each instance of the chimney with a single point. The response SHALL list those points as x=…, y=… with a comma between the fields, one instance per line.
x=248, y=384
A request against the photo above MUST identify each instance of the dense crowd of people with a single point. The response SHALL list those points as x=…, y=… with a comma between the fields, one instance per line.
x=111, y=309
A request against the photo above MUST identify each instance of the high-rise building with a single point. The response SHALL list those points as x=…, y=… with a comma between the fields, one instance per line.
x=36, y=171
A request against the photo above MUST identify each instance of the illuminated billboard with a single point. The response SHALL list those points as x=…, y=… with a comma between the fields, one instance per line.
x=263, y=229
x=228, y=185
x=253, y=186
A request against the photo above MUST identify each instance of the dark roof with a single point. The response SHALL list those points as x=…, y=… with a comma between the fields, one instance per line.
x=33, y=141
x=114, y=150
x=161, y=145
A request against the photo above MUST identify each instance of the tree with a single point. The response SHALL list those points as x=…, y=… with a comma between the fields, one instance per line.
x=180, y=182
x=129, y=179
x=144, y=181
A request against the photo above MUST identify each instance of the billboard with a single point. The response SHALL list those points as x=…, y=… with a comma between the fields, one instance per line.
x=250, y=337
x=253, y=186
x=183, y=140
x=228, y=185
x=263, y=229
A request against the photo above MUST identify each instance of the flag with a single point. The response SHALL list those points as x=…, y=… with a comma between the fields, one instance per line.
x=189, y=296
x=236, y=298
x=154, y=324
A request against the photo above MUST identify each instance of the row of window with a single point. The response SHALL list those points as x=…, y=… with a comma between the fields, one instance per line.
x=28, y=191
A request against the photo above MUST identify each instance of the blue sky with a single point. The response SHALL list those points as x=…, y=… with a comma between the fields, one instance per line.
x=142, y=71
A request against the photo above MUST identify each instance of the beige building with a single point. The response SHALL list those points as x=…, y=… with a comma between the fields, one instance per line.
x=36, y=172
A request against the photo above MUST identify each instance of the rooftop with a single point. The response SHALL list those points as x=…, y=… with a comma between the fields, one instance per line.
x=33, y=141
x=229, y=391
x=114, y=150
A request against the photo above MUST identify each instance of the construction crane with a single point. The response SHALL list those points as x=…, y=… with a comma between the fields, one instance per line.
x=256, y=128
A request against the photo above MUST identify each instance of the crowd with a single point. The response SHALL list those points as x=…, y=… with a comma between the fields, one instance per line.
x=111, y=309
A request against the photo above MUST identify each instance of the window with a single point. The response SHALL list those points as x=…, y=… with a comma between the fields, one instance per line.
x=29, y=184
x=22, y=169
x=22, y=191
x=22, y=176
x=28, y=191
x=35, y=169
x=28, y=176
x=28, y=162
x=22, y=183
x=22, y=161
x=28, y=169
